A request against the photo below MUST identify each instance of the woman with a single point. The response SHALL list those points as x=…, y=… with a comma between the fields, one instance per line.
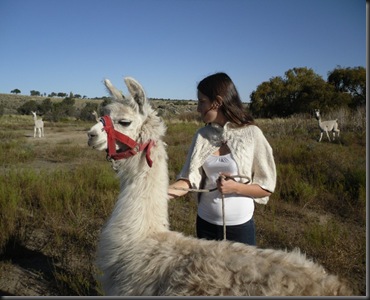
x=230, y=144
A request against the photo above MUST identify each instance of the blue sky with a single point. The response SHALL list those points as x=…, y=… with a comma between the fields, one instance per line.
x=170, y=45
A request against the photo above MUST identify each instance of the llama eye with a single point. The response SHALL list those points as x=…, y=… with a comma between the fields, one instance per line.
x=124, y=122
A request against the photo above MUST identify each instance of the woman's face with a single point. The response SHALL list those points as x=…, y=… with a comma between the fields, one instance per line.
x=210, y=111
x=207, y=111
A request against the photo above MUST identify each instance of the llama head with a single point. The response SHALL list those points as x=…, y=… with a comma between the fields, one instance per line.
x=130, y=116
x=34, y=113
x=317, y=113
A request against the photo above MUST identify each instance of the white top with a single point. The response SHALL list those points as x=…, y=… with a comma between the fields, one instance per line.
x=238, y=209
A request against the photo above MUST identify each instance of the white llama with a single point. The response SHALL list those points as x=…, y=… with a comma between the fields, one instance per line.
x=95, y=114
x=39, y=126
x=137, y=253
x=326, y=126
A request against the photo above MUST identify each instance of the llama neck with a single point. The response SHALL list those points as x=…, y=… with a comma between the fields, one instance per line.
x=141, y=208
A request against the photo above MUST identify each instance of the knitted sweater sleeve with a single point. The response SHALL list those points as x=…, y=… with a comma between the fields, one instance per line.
x=205, y=141
x=263, y=165
x=186, y=172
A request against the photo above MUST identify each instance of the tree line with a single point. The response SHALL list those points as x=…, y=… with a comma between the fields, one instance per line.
x=57, y=111
x=301, y=90
x=53, y=94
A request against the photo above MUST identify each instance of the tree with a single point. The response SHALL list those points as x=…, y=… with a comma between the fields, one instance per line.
x=300, y=91
x=34, y=93
x=61, y=110
x=351, y=81
x=46, y=106
x=307, y=90
x=15, y=91
x=86, y=112
x=266, y=99
x=27, y=107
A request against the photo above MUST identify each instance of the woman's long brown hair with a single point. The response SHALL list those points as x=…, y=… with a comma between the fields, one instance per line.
x=220, y=84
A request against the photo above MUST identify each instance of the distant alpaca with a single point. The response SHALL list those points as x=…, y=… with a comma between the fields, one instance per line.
x=326, y=126
x=137, y=253
x=39, y=126
x=95, y=114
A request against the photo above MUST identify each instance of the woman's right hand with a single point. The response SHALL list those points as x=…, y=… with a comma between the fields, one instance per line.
x=178, y=189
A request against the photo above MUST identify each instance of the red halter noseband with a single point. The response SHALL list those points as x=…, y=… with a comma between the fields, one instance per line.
x=134, y=147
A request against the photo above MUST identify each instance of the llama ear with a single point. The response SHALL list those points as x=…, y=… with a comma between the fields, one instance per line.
x=116, y=94
x=136, y=91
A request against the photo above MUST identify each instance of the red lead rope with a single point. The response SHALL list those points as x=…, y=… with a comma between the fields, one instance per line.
x=113, y=136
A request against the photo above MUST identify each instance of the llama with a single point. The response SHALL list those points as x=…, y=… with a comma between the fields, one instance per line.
x=95, y=114
x=39, y=126
x=137, y=253
x=326, y=126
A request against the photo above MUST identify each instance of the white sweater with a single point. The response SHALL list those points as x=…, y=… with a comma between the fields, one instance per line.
x=249, y=147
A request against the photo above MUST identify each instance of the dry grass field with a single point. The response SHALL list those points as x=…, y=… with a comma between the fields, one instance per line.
x=55, y=194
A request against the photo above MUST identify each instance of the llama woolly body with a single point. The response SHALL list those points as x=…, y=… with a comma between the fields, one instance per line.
x=171, y=264
x=38, y=129
x=327, y=126
x=138, y=254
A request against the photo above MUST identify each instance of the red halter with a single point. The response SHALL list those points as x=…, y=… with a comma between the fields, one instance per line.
x=113, y=136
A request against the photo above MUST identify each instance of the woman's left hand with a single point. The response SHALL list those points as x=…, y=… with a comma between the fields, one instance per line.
x=226, y=185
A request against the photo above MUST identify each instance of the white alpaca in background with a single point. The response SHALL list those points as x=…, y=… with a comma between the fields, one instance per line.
x=326, y=126
x=138, y=255
x=95, y=114
x=39, y=126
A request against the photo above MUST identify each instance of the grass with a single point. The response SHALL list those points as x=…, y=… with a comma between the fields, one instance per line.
x=56, y=195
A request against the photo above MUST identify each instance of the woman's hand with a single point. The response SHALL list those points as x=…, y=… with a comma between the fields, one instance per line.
x=226, y=185
x=178, y=188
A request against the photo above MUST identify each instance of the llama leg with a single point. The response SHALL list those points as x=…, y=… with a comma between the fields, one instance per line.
x=34, y=132
x=327, y=134
x=320, y=136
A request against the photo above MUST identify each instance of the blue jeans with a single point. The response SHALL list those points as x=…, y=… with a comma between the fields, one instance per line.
x=243, y=233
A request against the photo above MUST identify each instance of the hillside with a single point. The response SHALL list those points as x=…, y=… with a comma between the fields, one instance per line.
x=165, y=108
